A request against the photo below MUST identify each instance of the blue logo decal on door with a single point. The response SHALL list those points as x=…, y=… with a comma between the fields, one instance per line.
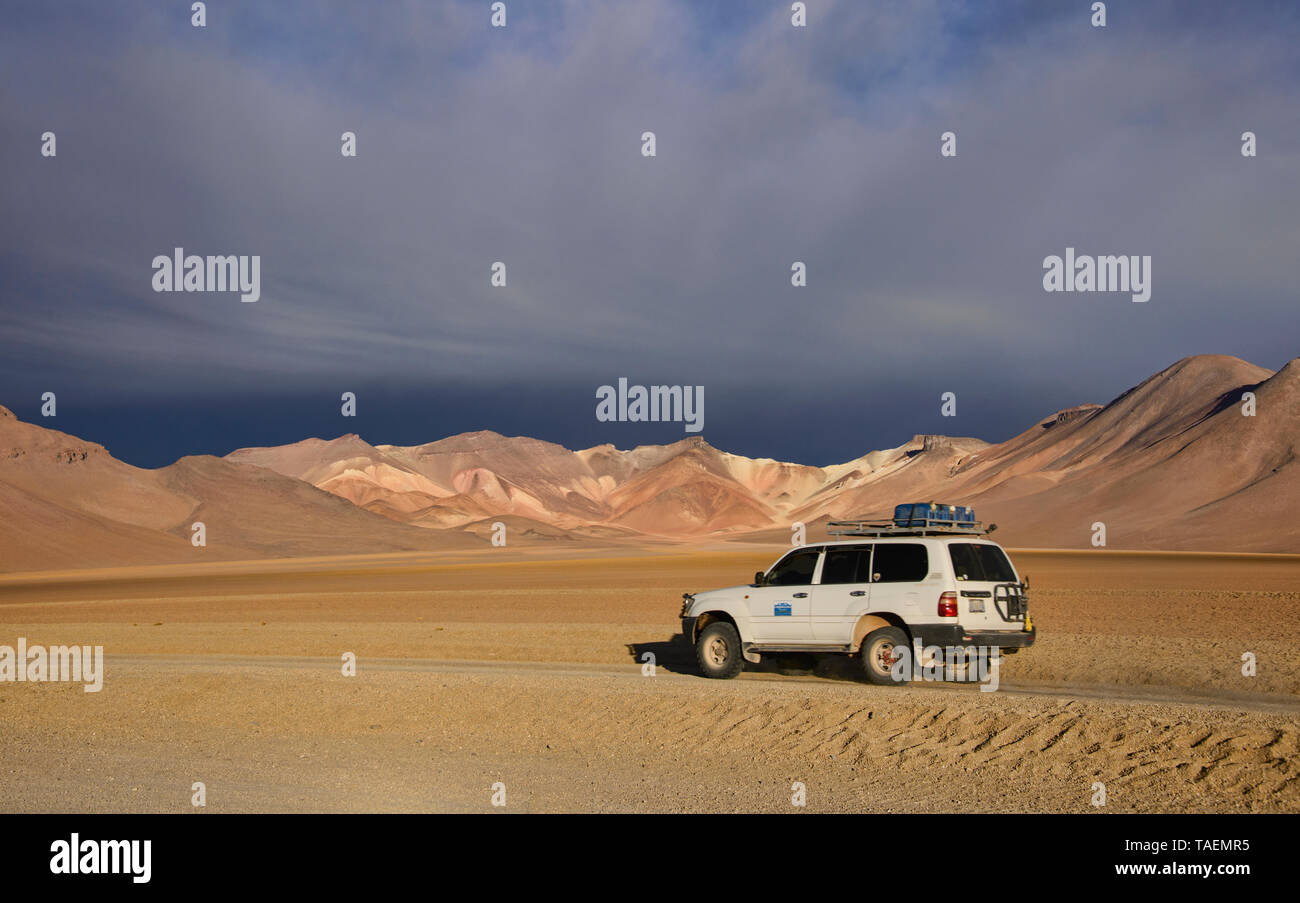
x=783, y=608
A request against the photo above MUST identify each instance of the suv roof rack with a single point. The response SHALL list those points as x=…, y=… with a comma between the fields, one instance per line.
x=916, y=527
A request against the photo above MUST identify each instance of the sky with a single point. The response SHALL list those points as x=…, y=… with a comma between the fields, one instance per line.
x=522, y=144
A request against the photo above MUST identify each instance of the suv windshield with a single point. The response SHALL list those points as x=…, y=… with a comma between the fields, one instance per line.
x=980, y=561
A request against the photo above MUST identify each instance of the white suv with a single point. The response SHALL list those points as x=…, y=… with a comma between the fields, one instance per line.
x=930, y=585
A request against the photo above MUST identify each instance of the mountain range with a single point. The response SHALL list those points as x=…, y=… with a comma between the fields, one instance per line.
x=1184, y=460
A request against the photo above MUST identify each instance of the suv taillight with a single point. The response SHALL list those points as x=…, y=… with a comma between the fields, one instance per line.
x=948, y=605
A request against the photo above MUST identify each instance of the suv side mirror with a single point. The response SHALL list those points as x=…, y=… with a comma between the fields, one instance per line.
x=758, y=578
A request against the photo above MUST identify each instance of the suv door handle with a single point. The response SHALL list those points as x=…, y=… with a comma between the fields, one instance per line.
x=801, y=595
x=858, y=592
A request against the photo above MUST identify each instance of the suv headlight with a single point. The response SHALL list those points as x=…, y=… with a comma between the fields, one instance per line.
x=687, y=599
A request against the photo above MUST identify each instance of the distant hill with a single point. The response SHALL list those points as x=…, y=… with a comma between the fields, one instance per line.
x=1170, y=464
x=67, y=503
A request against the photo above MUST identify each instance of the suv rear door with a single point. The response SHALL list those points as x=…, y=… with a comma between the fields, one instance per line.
x=899, y=580
x=842, y=593
x=980, y=567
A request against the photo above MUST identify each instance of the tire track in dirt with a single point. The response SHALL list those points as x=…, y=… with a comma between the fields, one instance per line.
x=1037, y=748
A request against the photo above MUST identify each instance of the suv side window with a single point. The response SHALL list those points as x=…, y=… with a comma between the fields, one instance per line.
x=795, y=569
x=846, y=564
x=899, y=562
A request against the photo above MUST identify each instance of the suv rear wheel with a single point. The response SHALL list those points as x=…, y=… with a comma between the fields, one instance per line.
x=718, y=651
x=880, y=649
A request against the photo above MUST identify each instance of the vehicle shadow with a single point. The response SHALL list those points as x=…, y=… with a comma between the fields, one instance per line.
x=677, y=656
x=830, y=666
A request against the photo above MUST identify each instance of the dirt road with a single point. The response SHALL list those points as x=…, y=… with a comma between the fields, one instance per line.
x=289, y=734
x=529, y=674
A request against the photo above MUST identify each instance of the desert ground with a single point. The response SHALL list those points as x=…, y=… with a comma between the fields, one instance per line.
x=526, y=668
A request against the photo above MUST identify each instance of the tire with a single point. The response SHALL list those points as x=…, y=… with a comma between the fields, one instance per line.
x=876, y=655
x=718, y=651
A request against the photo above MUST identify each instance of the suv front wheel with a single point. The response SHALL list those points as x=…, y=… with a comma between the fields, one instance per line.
x=718, y=651
x=880, y=649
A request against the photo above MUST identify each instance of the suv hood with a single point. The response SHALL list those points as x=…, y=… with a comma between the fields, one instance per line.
x=707, y=599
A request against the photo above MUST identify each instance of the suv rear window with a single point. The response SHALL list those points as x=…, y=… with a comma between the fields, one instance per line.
x=899, y=562
x=980, y=561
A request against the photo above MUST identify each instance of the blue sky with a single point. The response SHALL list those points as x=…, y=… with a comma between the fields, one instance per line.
x=521, y=145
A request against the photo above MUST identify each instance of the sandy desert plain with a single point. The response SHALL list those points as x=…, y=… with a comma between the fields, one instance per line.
x=525, y=668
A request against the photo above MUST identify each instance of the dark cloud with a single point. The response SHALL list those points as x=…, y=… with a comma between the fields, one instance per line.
x=522, y=146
